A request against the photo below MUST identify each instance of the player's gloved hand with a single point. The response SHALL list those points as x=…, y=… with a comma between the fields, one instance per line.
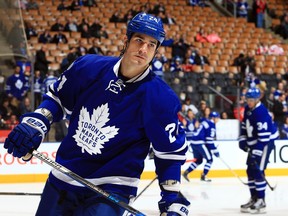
x=243, y=145
x=216, y=152
x=28, y=135
x=173, y=204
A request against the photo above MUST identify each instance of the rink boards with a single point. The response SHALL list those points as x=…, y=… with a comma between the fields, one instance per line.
x=15, y=170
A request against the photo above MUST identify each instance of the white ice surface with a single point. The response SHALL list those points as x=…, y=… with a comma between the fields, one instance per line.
x=222, y=197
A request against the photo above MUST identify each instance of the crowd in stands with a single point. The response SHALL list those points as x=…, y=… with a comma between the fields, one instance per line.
x=187, y=70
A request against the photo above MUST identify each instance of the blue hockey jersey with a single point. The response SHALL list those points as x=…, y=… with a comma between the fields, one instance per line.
x=205, y=134
x=112, y=123
x=257, y=127
x=190, y=128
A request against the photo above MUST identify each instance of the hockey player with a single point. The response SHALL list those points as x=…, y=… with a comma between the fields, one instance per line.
x=190, y=124
x=203, y=146
x=116, y=107
x=257, y=138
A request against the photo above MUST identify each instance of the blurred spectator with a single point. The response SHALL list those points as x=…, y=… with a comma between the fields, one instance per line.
x=38, y=81
x=15, y=86
x=95, y=27
x=157, y=65
x=7, y=109
x=283, y=29
x=128, y=16
x=279, y=110
x=59, y=37
x=224, y=115
x=75, y=6
x=116, y=17
x=84, y=21
x=102, y=33
x=2, y=82
x=12, y=122
x=71, y=25
x=90, y=3
x=25, y=106
x=242, y=8
x=71, y=57
x=263, y=49
x=30, y=31
x=81, y=49
x=45, y=37
x=160, y=7
x=259, y=7
x=2, y=122
x=41, y=62
x=63, y=5
x=85, y=32
x=201, y=59
x=24, y=65
x=49, y=80
x=179, y=47
x=32, y=5
x=168, y=19
x=239, y=62
x=189, y=105
x=96, y=49
x=248, y=67
x=57, y=26
x=202, y=107
x=201, y=36
x=175, y=65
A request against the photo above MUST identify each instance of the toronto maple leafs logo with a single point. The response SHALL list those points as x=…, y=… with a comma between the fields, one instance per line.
x=92, y=133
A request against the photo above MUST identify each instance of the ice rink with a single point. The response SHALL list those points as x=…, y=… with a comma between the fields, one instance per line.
x=222, y=196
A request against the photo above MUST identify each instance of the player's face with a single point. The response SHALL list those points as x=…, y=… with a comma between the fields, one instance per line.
x=141, y=49
x=251, y=102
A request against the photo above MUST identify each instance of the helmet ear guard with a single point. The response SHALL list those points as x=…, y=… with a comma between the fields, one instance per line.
x=146, y=24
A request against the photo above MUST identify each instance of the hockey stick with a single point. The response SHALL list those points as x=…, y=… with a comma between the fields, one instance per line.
x=86, y=183
x=233, y=172
x=145, y=188
x=262, y=173
x=272, y=188
x=20, y=193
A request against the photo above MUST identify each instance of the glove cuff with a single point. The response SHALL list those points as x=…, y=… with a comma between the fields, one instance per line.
x=178, y=208
x=37, y=121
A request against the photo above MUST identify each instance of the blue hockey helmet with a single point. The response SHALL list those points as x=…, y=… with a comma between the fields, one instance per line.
x=146, y=24
x=253, y=93
x=214, y=114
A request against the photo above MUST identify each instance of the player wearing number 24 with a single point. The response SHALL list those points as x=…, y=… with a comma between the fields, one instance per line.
x=116, y=107
x=257, y=137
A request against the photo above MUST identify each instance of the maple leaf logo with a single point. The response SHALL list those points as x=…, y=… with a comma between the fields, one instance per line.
x=92, y=134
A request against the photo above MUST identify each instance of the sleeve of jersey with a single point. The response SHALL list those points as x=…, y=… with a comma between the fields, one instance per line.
x=166, y=135
x=243, y=131
x=62, y=95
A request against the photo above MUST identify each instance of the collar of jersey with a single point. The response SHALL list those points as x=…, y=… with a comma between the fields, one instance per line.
x=134, y=79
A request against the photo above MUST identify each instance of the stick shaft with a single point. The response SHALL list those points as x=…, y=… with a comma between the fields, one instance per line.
x=20, y=193
x=233, y=172
x=86, y=183
x=145, y=189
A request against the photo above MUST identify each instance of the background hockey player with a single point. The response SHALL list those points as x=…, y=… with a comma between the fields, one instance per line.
x=202, y=143
x=116, y=107
x=257, y=137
